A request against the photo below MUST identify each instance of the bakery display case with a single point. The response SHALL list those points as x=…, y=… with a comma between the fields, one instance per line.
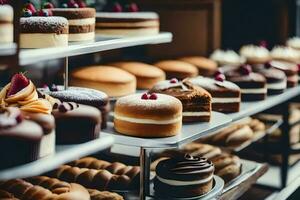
x=172, y=129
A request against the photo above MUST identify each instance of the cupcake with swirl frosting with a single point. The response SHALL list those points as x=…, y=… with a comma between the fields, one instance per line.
x=182, y=177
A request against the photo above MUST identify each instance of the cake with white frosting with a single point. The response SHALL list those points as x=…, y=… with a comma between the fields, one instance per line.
x=227, y=57
x=127, y=23
x=6, y=24
x=255, y=54
x=294, y=43
x=288, y=54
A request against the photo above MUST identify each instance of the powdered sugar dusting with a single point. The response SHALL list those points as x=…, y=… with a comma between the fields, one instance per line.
x=44, y=21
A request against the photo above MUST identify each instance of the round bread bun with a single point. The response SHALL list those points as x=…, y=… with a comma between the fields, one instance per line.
x=111, y=80
x=177, y=69
x=147, y=75
x=139, y=117
x=206, y=67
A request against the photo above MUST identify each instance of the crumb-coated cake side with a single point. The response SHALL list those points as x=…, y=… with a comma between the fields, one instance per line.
x=206, y=66
x=111, y=80
x=255, y=54
x=42, y=32
x=226, y=96
x=81, y=22
x=155, y=115
x=196, y=101
x=6, y=24
x=177, y=69
x=290, y=69
x=184, y=176
x=146, y=75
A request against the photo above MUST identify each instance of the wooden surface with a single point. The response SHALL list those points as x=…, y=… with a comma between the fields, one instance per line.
x=237, y=192
x=195, y=24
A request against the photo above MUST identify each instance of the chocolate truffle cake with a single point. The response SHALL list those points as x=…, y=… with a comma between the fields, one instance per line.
x=148, y=115
x=253, y=85
x=83, y=96
x=76, y=123
x=81, y=22
x=41, y=32
x=206, y=67
x=6, y=24
x=290, y=69
x=19, y=138
x=196, y=101
x=226, y=96
x=127, y=23
x=183, y=177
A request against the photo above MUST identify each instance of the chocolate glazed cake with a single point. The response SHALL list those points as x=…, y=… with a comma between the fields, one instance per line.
x=226, y=96
x=195, y=100
x=183, y=177
x=41, y=32
x=81, y=22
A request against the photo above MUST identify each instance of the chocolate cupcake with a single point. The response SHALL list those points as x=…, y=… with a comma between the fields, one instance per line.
x=76, y=123
x=83, y=96
x=195, y=100
x=183, y=177
x=19, y=139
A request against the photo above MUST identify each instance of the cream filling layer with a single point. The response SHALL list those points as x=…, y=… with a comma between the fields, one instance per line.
x=278, y=86
x=147, y=121
x=43, y=40
x=183, y=183
x=225, y=100
x=195, y=114
x=6, y=33
x=80, y=22
x=254, y=90
x=75, y=37
x=47, y=146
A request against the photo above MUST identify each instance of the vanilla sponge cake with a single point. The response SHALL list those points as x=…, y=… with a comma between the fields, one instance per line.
x=42, y=32
x=6, y=24
x=127, y=23
x=81, y=22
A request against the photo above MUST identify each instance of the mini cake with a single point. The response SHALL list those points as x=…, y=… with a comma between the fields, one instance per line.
x=227, y=57
x=127, y=23
x=255, y=54
x=177, y=69
x=146, y=75
x=294, y=43
x=206, y=67
x=276, y=79
x=253, y=85
x=196, y=101
x=226, y=96
x=76, y=123
x=81, y=22
x=42, y=32
x=290, y=70
x=6, y=24
x=19, y=139
x=22, y=93
x=155, y=115
x=287, y=54
x=183, y=177
x=111, y=80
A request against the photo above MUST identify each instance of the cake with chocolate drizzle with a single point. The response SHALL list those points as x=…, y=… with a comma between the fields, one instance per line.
x=183, y=177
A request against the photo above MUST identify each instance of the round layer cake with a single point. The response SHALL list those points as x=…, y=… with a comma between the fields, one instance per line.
x=155, y=115
x=127, y=24
x=227, y=57
x=183, y=177
x=255, y=54
x=42, y=32
x=206, y=67
x=6, y=24
x=111, y=80
x=81, y=22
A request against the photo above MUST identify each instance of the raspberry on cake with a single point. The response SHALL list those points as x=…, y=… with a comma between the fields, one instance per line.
x=195, y=100
x=6, y=24
x=148, y=115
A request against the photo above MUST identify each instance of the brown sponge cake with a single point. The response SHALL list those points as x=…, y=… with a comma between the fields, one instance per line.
x=111, y=80
x=146, y=75
x=177, y=69
x=155, y=115
x=290, y=69
x=206, y=67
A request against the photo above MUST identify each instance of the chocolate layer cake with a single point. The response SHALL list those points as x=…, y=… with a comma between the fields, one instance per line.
x=6, y=24
x=290, y=69
x=127, y=24
x=41, y=32
x=184, y=176
x=195, y=100
x=253, y=85
x=81, y=22
x=83, y=96
x=226, y=96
